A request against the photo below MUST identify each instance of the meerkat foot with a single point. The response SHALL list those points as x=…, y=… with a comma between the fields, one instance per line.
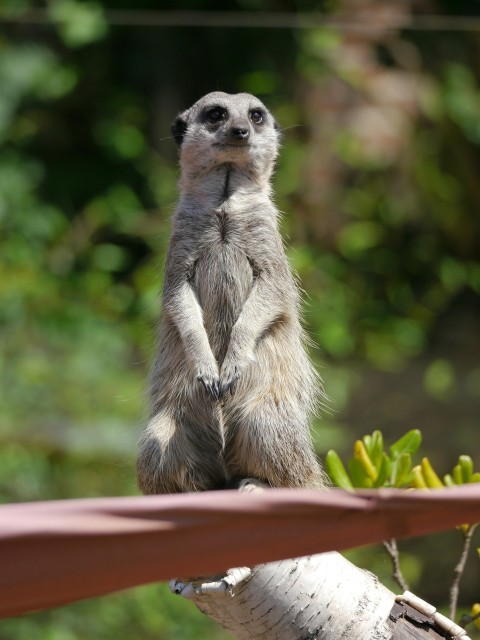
x=252, y=484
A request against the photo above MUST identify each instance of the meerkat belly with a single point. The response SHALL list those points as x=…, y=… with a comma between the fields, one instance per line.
x=223, y=280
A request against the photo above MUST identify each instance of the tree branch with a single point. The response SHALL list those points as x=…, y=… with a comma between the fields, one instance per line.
x=460, y=568
x=392, y=550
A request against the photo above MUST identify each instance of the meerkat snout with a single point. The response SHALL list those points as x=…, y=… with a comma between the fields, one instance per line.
x=239, y=134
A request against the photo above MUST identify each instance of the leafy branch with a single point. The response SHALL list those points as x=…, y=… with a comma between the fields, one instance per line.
x=373, y=467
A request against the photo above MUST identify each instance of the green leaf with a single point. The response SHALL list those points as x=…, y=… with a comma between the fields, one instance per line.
x=376, y=450
x=367, y=441
x=384, y=471
x=337, y=471
x=430, y=475
x=360, y=454
x=457, y=474
x=401, y=470
x=358, y=474
x=448, y=480
x=466, y=466
x=409, y=443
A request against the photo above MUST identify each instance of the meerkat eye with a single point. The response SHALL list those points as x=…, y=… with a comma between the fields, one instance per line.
x=215, y=114
x=256, y=116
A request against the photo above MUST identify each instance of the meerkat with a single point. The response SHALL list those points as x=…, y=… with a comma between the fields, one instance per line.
x=232, y=388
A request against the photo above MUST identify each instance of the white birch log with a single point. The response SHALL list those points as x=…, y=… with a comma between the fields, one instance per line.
x=320, y=597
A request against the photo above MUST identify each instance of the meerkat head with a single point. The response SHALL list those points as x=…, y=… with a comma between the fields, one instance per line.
x=234, y=129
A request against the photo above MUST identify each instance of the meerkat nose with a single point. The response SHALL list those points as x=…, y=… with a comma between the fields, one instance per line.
x=239, y=133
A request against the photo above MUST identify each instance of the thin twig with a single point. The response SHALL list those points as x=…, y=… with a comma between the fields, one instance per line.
x=467, y=619
x=460, y=568
x=392, y=550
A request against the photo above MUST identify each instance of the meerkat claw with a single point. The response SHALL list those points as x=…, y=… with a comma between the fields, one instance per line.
x=228, y=387
x=215, y=389
x=212, y=388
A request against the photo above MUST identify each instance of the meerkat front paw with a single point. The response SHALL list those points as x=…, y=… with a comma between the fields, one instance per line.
x=231, y=372
x=229, y=378
x=208, y=376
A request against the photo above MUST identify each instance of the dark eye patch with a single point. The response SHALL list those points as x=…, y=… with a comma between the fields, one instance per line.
x=216, y=114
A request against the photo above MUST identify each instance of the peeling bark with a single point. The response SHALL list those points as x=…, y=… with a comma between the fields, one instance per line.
x=320, y=597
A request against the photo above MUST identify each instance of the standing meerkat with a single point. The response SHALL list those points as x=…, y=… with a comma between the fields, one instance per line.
x=232, y=388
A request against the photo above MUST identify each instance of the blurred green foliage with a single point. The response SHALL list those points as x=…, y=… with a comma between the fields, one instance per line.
x=377, y=178
x=144, y=613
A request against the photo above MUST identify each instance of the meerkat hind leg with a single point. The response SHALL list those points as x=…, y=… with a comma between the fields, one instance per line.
x=272, y=444
x=180, y=456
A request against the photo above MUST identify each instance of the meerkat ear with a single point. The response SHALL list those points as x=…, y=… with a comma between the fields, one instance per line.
x=179, y=127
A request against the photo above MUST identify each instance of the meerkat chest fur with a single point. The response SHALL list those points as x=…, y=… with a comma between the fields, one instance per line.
x=224, y=238
x=225, y=206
